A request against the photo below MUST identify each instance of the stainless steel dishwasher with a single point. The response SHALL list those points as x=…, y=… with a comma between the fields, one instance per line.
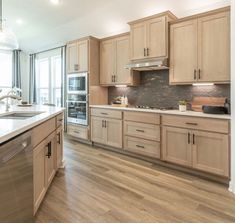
x=16, y=180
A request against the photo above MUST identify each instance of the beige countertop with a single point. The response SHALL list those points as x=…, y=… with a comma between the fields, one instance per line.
x=165, y=112
x=10, y=128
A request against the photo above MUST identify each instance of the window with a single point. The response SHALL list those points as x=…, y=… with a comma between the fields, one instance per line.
x=48, y=77
x=5, y=71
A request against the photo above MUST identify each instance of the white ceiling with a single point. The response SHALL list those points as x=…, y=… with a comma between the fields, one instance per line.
x=46, y=25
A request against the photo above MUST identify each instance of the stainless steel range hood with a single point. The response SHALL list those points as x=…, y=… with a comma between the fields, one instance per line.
x=159, y=64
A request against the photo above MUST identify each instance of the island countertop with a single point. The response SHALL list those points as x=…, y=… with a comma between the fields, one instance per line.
x=10, y=128
x=165, y=112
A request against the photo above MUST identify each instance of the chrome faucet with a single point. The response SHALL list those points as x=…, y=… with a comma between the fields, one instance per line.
x=7, y=97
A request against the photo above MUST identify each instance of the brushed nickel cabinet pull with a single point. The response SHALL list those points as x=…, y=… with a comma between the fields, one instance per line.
x=139, y=130
x=76, y=132
x=76, y=67
x=191, y=123
x=105, y=123
x=140, y=146
x=59, y=139
x=145, y=52
x=189, y=138
x=193, y=139
x=103, y=113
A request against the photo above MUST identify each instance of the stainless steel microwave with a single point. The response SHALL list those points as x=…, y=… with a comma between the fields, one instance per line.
x=77, y=83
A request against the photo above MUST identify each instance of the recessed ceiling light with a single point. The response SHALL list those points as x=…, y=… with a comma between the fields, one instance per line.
x=19, y=21
x=55, y=2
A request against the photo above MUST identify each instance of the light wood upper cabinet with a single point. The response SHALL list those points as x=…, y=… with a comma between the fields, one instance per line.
x=114, y=56
x=156, y=37
x=77, y=56
x=176, y=146
x=149, y=37
x=183, y=45
x=107, y=60
x=200, y=49
x=214, y=48
x=138, y=41
x=211, y=152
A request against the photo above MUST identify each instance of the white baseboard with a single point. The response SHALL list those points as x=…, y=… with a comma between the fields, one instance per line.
x=231, y=187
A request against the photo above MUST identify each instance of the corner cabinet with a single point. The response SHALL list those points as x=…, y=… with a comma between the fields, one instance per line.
x=200, y=49
x=77, y=56
x=114, y=56
x=149, y=37
x=106, y=127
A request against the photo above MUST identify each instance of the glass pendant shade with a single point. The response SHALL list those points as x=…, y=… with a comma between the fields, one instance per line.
x=8, y=40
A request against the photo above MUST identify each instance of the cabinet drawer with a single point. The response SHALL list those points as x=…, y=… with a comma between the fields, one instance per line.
x=206, y=124
x=77, y=131
x=141, y=130
x=40, y=132
x=144, y=117
x=108, y=113
x=143, y=147
x=59, y=120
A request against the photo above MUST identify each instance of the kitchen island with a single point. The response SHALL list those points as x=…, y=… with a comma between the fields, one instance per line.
x=31, y=152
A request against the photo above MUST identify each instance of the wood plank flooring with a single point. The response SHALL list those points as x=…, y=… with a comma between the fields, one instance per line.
x=99, y=186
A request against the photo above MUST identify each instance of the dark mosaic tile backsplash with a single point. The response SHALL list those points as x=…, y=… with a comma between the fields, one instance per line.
x=154, y=90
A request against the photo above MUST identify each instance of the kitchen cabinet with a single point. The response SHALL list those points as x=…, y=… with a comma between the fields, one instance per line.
x=77, y=56
x=200, y=48
x=47, y=155
x=188, y=145
x=106, y=130
x=211, y=152
x=114, y=56
x=176, y=146
x=39, y=170
x=149, y=37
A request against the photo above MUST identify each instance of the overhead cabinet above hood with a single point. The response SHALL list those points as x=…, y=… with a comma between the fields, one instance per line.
x=158, y=64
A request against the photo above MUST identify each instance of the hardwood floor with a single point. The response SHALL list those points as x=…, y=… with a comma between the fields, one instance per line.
x=99, y=186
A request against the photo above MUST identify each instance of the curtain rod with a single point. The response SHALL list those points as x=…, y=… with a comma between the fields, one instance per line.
x=48, y=50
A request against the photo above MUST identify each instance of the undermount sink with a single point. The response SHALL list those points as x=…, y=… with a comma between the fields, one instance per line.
x=20, y=115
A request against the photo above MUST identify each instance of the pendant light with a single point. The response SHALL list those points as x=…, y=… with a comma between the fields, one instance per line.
x=8, y=39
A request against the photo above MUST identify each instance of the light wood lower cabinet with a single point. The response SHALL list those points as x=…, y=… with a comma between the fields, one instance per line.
x=47, y=158
x=205, y=151
x=176, y=146
x=106, y=131
x=211, y=152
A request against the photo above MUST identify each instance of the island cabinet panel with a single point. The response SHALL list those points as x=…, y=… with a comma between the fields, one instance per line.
x=47, y=155
x=39, y=169
x=40, y=132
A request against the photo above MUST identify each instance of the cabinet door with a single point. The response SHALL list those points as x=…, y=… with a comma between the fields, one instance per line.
x=97, y=130
x=183, y=58
x=50, y=158
x=59, y=147
x=138, y=41
x=176, y=145
x=39, y=178
x=114, y=133
x=107, y=62
x=83, y=56
x=157, y=37
x=211, y=152
x=214, y=48
x=72, y=58
x=122, y=58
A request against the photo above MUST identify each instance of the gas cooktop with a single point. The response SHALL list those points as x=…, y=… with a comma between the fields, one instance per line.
x=154, y=108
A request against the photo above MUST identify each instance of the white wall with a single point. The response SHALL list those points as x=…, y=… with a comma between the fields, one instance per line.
x=25, y=75
x=232, y=183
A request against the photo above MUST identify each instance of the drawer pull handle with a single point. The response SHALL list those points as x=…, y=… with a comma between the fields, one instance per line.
x=190, y=123
x=102, y=113
x=189, y=140
x=139, y=130
x=193, y=139
x=76, y=132
x=140, y=146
